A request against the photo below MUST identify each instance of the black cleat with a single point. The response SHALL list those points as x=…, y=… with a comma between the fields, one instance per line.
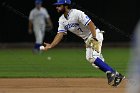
x=110, y=77
x=118, y=80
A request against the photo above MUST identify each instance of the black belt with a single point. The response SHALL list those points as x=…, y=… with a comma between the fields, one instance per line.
x=90, y=33
x=87, y=37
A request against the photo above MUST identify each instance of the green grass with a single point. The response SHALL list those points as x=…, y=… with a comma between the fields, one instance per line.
x=63, y=63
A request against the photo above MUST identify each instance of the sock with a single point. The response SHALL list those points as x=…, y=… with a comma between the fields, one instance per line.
x=103, y=66
x=36, y=46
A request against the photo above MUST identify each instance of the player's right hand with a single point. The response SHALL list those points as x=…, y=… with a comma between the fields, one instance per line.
x=47, y=46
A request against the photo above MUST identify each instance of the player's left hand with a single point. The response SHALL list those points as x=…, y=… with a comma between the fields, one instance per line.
x=47, y=46
x=93, y=42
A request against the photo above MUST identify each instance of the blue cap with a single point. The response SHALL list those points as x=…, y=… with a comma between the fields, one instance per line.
x=38, y=1
x=61, y=2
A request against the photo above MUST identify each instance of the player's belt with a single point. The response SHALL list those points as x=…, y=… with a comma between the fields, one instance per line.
x=87, y=37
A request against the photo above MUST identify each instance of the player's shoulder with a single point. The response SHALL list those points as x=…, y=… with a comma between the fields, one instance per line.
x=43, y=8
x=73, y=11
x=34, y=9
x=76, y=11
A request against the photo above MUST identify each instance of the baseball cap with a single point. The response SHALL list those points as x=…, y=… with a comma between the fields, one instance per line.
x=60, y=2
x=38, y=1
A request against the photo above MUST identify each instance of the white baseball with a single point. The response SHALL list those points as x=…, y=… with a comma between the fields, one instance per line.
x=49, y=58
x=42, y=47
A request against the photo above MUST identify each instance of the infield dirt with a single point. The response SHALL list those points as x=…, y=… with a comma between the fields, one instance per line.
x=58, y=85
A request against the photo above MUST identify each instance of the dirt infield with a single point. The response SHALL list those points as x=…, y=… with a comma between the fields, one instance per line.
x=58, y=85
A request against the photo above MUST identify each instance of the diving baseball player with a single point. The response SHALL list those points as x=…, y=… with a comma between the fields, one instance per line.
x=79, y=23
x=38, y=20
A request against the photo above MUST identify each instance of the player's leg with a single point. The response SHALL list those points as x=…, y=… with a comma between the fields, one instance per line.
x=42, y=34
x=97, y=60
x=38, y=40
x=94, y=58
x=114, y=77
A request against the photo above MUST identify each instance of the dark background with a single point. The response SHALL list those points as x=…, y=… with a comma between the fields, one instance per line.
x=122, y=14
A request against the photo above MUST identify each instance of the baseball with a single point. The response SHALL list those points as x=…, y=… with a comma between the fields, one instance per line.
x=49, y=58
x=42, y=47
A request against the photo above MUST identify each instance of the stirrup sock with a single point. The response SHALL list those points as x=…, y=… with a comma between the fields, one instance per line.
x=36, y=46
x=103, y=66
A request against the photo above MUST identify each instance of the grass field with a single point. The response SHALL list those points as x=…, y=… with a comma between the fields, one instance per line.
x=63, y=62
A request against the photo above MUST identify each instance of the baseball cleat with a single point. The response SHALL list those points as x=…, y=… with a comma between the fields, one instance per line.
x=118, y=80
x=111, y=77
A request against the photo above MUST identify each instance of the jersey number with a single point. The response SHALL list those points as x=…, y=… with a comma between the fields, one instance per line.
x=80, y=29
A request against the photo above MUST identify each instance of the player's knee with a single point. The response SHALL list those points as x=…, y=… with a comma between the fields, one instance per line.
x=94, y=65
x=91, y=60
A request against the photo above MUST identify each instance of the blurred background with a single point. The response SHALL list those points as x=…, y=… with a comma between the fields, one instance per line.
x=123, y=14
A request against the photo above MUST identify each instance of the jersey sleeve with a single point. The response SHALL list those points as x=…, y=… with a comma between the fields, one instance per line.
x=46, y=13
x=31, y=15
x=61, y=27
x=83, y=18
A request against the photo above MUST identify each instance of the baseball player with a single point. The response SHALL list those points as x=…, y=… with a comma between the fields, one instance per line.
x=79, y=23
x=38, y=20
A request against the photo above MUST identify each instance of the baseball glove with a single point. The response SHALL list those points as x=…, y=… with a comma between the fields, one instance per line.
x=93, y=42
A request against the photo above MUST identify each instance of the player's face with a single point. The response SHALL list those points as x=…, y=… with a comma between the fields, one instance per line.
x=38, y=5
x=60, y=8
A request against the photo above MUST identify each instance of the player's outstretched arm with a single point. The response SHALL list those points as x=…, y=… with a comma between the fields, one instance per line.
x=56, y=40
